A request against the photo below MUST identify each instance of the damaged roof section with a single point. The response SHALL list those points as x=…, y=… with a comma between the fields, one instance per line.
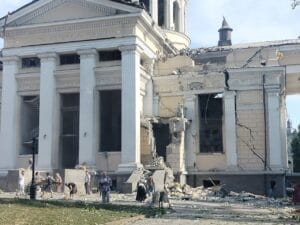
x=270, y=53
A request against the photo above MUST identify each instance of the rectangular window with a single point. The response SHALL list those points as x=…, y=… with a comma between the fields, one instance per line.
x=1, y=66
x=31, y=62
x=211, y=114
x=105, y=56
x=110, y=121
x=161, y=13
x=29, y=122
x=69, y=142
x=69, y=59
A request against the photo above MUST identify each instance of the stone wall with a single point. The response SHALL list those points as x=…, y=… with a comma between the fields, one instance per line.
x=77, y=177
x=253, y=183
x=250, y=130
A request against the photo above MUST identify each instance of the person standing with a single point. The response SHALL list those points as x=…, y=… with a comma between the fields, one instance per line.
x=58, y=182
x=104, y=186
x=21, y=183
x=87, y=182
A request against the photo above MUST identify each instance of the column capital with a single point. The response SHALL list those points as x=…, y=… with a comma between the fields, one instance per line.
x=131, y=48
x=87, y=52
x=229, y=94
x=10, y=59
x=190, y=98
x=272, y=90
x=48, y=56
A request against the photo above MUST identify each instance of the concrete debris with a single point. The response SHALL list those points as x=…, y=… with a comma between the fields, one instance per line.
x=219, y=193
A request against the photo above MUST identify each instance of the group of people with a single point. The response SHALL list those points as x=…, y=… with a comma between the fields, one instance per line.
x=51, y=184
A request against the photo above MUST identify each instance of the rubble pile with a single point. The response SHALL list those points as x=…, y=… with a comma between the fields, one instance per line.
x=220, y=194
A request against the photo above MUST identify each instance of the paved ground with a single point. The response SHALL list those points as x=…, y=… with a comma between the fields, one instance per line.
x=210, y=212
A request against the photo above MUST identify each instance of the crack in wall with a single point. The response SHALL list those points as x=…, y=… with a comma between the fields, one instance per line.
x=250, y=144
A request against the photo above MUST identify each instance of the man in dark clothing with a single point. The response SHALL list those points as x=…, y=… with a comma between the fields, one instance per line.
x=73, y=189
x=48, y=186
x=104, y=187
x=141, y=194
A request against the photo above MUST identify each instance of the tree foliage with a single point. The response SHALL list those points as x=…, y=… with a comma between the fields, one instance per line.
x=295, y=146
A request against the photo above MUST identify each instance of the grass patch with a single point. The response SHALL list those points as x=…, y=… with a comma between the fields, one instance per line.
x=26, y=212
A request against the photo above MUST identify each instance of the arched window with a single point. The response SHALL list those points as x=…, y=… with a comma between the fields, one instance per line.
x=161, y=13
x=176, y=12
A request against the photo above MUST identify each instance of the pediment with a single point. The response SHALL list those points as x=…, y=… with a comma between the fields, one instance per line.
x=65, y=10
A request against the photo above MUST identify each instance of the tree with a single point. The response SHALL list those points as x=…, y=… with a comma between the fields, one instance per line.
x=295, y=3
x=295, y=145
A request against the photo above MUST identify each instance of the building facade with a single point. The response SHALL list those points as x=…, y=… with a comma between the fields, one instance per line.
x=104, y=83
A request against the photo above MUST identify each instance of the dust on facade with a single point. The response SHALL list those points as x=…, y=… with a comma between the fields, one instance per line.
x=112, y=83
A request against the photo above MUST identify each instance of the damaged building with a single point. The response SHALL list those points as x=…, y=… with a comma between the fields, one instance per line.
x=113, y=84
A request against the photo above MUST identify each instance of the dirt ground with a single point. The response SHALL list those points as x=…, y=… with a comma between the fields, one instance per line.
x=212, y=211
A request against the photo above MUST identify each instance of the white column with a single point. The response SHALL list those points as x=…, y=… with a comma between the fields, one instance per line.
x=182, y=17
x=87, y=126
x=154, y=10
x=230, y=130
x=148, y=99
x=273, y=128
x=168, y=14
x=190, y=104
x=130, y=158
x=47, y=111
x=8, y=135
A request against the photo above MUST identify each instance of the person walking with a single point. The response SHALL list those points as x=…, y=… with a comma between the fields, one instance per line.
x=87, y=182
x=48, y=185
x=104, y=186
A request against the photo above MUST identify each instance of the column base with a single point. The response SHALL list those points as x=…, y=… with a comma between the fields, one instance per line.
x=3, y=172
x=277, y=168
x=128, y=168
x=183, y=178
x=232, y=168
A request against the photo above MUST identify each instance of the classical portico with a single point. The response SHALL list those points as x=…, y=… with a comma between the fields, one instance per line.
x=52, y=60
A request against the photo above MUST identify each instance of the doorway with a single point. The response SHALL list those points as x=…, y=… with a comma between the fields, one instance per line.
x=69, y=141
x=162, y=138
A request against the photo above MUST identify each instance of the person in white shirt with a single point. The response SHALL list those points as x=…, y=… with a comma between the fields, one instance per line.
x=87, y=182
x=21, y=183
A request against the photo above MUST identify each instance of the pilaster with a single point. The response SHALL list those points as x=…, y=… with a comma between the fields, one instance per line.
x=273, y=128
x=230, y=130
x=148, y=99
x=87, y=117
x=8, y=135
x=47, y=132
x=130, y=156
x=154, y=10
x=190, y=104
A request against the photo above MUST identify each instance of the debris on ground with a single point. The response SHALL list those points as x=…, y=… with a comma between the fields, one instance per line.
x=219, y=193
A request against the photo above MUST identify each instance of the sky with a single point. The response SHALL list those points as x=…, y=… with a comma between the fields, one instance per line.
x=251, y=20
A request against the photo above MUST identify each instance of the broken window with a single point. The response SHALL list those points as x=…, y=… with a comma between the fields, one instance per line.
x=162, y=138
x=211, y=114
x=110, y=121
x=69, y=130
x=161, y=13
x=105, y=56
x=68, y=59
x=29, y=122
x=31, y=62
